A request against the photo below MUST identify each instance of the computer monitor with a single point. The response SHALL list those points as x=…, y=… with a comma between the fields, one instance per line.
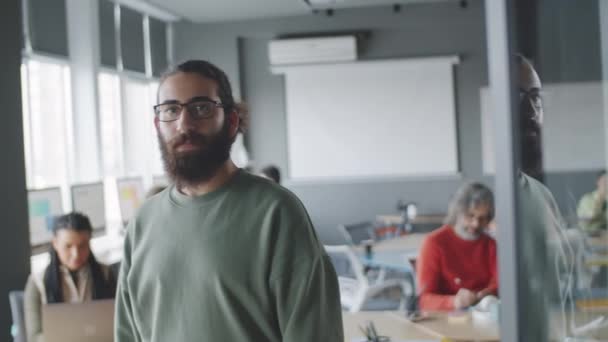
x=43, y=205
x=89, y=199
x=130, y=196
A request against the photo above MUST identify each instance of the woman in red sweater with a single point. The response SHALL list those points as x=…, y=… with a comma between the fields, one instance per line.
x=457, y=262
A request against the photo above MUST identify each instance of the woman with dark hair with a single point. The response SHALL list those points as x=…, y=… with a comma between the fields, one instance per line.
x=72, y=276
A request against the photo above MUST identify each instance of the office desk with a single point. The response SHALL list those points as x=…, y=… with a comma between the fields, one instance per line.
x=580, y=319
x=397, y=260
x=387, y=323
x=420, y=219
x=438, y=326
x=599, y=243
x=398, y=328
x=409, y=243
x=395, y=325
x=393, y=253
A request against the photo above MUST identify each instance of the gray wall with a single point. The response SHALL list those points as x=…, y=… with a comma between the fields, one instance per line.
x=14, y=244
x=240, y=48
x=419, y=30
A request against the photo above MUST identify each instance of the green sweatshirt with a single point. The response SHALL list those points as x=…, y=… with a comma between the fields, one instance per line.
x=239, y=264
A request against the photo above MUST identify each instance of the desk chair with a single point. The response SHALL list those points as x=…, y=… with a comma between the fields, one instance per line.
x=358, y=290
x=357, y=233
x=16, y=301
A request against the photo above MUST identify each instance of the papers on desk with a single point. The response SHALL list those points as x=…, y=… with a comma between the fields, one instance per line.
x=363, y=339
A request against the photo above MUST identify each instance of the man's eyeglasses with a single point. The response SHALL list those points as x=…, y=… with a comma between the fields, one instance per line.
x=197, y=109
x=533, y=97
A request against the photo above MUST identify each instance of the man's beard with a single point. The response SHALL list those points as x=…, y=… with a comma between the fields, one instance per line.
x=462, y=232
x=196, y=166
x=532, y=151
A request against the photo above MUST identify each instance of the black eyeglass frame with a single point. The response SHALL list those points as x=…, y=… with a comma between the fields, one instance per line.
x=192, y=111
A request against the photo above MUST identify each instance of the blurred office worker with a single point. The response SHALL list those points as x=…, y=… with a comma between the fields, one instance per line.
x=457, y=262
x=73, y=275
x=220, y=255
x=591, y=209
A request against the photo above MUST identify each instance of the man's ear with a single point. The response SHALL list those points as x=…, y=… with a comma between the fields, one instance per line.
x=156, y=122
x=234, y=122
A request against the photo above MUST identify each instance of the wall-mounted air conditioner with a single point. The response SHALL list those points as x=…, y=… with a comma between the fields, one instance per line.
x=312, y=50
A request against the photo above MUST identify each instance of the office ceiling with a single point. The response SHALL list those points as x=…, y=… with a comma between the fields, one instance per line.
x=232, y=10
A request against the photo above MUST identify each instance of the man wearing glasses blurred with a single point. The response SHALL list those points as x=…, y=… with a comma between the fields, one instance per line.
x=222, y=255
x=541, y=222
x=537, y=200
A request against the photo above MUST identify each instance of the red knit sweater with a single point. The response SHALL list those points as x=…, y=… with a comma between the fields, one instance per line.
x=448, y=263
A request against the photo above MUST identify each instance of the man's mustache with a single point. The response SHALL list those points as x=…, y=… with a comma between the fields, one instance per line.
x=190, y=138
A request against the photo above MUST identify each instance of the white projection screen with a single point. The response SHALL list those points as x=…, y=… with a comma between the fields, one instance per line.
x=371, y=119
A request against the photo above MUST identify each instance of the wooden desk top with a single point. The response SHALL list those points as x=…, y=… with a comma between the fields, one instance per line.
x=388, y=323
x=394, y=325
x=438, y=326
x=420, y=219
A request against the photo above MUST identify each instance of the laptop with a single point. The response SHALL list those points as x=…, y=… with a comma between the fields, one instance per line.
x=79, y=322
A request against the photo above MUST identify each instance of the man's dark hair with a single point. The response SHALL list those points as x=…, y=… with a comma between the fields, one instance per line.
x=210, y=71
x=272, y=172
x=521, y=59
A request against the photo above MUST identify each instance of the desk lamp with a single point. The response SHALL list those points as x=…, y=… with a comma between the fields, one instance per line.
x=409, y=211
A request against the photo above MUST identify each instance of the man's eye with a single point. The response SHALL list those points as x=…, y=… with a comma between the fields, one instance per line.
x=202, y=107
x=172, y=110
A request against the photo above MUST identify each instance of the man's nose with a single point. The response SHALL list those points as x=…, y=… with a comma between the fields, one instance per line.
x=531, y=112
x=185, y=122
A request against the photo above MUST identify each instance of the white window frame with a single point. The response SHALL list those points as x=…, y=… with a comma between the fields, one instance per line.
x=69, y=129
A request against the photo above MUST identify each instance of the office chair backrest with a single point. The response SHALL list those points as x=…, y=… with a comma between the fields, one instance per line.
x=357, y=233
x=346, y=262
x=16, y=302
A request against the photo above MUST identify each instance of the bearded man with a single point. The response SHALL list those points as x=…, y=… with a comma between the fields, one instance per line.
x=457, y=262
x=221, y=255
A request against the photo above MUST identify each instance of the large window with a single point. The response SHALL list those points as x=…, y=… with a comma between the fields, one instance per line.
x=128, y=138
x=47, y=117
x=111, y=141
x=139, y=134
x=110, y=122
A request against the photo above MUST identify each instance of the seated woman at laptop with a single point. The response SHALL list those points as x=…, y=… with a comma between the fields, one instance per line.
x=73, y=275
x=457, y=262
